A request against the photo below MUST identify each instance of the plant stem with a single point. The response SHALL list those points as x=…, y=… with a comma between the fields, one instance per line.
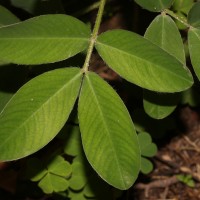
x=87, y=9
x=94, y=35
x=180, y=19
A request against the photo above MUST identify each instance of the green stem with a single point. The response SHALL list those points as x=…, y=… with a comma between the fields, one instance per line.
x=180, y=19
x=94, y=35
x=87, y=9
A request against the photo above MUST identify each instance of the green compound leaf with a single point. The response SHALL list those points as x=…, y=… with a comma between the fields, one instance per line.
x=155, y=5
x=37, y=112
x=146, y=166
x=194, y=49
x=59, y=166
x=108, y=135
x=147, y=148
x=6, y=17
x=141, y=62
x=164, y=33
x=52, y=183
x=194, y=15
x=43, y=39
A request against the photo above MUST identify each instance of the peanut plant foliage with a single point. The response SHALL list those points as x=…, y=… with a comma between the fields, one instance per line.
x=40, y=109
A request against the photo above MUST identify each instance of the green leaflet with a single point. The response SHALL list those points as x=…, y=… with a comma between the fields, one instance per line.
x=146, y=166
x=72, y=144
x=158, y=105
x=194, y=49
x=191, y=97
x=108, y=135
x=154, y=5
x=194, y=15
x=81, y=172
x=52, y=173
x=28, y=5
x=164, y=33
x=74, y=195
x=182, y=6
x=43, y=39
x=6, y=17
x=141, y=62
x=37, y=112
x=53, y=183
x=35, y=169
x=147, y=147
x=59, y=166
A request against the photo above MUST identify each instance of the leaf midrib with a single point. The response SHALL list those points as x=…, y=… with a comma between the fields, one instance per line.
x=106, y=126
x=147, y=61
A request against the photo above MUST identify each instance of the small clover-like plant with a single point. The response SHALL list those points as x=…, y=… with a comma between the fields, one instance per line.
x=186, y=179
x=75, y=179
x=52, y=175
x=148, y=149
x=37, y=112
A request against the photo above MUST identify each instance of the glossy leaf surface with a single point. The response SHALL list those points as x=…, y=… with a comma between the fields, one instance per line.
x=43, y=39
x=37, y=112
x=194, y=15
x=154, y=5
x=108, y=135
x=141, y=62
x=194, y=49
